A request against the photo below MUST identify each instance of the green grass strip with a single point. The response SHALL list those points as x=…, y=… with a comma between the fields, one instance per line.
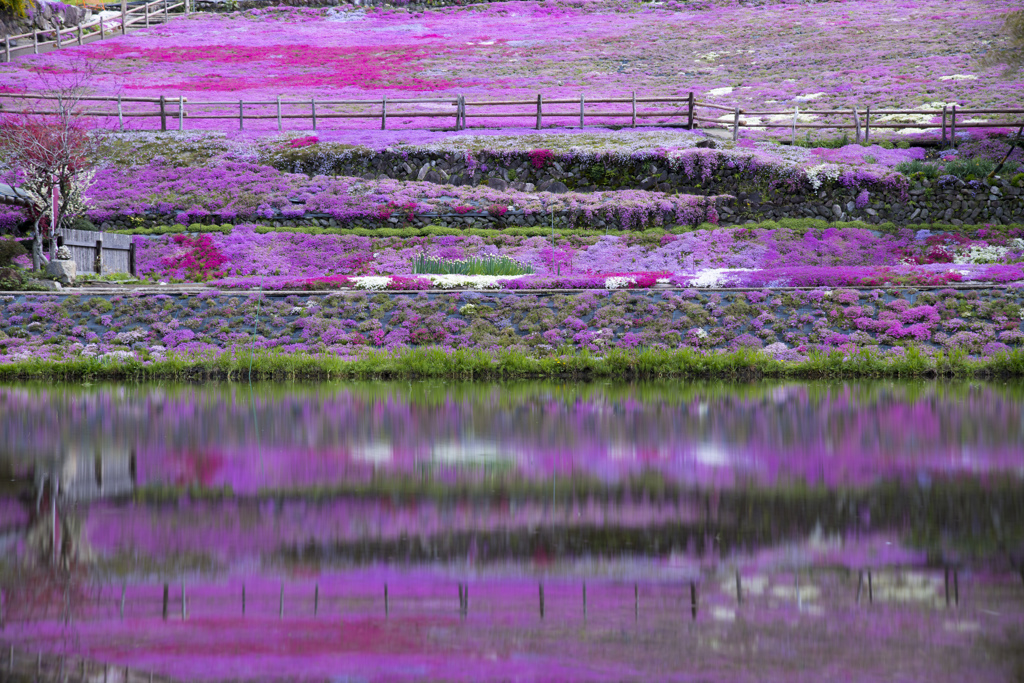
x=568, y=364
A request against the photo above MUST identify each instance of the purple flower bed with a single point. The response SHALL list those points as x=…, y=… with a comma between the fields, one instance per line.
x=777, y=255
x=786, y=324
x=494, y=51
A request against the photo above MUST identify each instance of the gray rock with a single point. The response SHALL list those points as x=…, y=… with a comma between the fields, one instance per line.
x=424, y=170
x=63, y=271
x=497, y=184
x=45, y=284
x=553, y=186
x=837, y=210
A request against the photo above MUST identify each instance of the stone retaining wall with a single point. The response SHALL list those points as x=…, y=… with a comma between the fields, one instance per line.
x=758, y=197
x=786, y=323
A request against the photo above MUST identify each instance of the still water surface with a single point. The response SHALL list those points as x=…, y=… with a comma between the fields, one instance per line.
x=528, y=531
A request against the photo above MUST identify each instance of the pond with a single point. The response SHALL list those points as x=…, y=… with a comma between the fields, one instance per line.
x=521, y=531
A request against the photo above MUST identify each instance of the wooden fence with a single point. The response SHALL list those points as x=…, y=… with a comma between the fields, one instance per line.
x=101, y=252
x=139, y=16
x=686, y=112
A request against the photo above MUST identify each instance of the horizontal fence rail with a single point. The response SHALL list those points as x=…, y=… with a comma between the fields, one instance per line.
x=139, y=15
x=686, y=112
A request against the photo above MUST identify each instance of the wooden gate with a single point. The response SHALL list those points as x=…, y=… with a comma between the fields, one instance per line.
x=101, y=252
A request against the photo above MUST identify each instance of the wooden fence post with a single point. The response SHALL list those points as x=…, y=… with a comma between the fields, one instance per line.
x=7, y=48
x=458, y=111
x=581, y=110
x=131, y=258
x=952, y=127
x=867, y=124
x=241, y=115
x=633, y=124
x=98, y=261
x=79, y=34
x=181, y=112
x=278, y=113
x=384, y=113
x=167, y=13
x=312, y=102
x=736, y=124
x=146, y=6
x=35, y=42
x=101, y=30
x=796, y=115
x=540, y=104
x=124, y=16
x=163, y=113
x=691, y=107
x=943, y=125
x=120, y=114
x=856, y=122
x=57, y=41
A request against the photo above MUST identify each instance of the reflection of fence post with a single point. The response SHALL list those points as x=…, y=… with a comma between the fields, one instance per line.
x=166, y=596
x=316, y=600
x=636, y=602
x=739, y=589
x=280, y=609
x=693, y=600
x=385, y=601
x=124, y=587
x=243, y=598
x=184, y=613
x=540, y=592
x=584, y=600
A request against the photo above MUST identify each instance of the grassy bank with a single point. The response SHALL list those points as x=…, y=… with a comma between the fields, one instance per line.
x=479, y=365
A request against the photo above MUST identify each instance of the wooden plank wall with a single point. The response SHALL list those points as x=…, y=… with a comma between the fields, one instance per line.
x=117, y=257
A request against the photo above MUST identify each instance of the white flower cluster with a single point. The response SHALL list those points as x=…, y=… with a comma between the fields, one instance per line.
x=467, y=281
x=374, y=282
x=818, y=174
x=986, y=254
x=619, y=282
